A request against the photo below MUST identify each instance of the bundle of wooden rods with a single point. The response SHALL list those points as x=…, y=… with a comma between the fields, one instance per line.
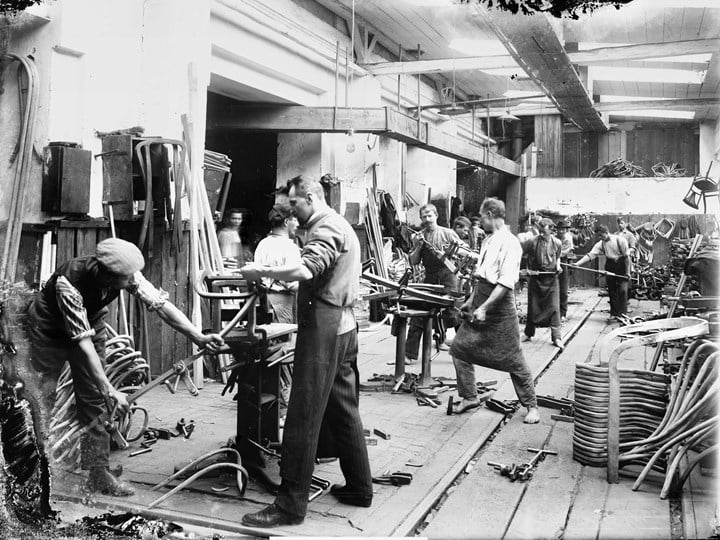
x=691, y=419
x=643, y=396
x=126, y=369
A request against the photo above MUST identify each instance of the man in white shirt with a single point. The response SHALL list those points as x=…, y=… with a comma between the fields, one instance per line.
x=277, y=249
x=490, y=336
x=617, y=260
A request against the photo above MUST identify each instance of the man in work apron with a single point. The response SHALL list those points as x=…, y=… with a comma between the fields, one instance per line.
x=543, y=289
x=490, y=335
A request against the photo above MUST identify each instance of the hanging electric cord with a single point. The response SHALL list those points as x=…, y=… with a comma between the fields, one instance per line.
x=8, y=262
x=126, y=370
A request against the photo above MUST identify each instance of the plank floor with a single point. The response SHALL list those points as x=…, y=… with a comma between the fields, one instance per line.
x=563, y=500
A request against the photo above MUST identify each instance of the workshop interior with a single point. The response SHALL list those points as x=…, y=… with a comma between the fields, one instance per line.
x=578, y=141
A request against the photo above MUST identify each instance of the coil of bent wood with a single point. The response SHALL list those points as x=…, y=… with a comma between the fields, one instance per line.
x=643, y=396
x=656, y=432
x=126, y=370
x=690, y=422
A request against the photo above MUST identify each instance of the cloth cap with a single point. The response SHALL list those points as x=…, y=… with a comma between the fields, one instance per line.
x=281, y=211
x=546, y=222
x=563, y=223
x=119, y=257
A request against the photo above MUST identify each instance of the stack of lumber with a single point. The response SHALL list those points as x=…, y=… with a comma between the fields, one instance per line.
x=217, y=161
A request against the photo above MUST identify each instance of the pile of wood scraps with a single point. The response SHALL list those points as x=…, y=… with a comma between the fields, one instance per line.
x=618, y=168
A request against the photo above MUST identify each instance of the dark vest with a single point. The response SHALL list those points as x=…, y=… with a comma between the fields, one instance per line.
x=82, y=273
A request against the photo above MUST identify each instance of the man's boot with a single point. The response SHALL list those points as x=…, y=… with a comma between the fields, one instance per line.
x=94, y=453
x=100, y=480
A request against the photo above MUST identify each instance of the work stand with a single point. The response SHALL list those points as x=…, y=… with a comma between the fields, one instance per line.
x=408, y=301
x=263, y=354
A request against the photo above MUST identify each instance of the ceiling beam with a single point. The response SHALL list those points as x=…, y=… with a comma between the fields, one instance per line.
x=674, y=104
x=346, y=14
x=533, y=43
x=441, y=66
x=380, y=120
x=588, y=57
x=643, y=51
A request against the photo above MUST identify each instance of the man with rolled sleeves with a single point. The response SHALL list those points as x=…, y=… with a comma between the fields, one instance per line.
x=489, y=335
x=67, y=324
x=617, y=261
x=323, y=403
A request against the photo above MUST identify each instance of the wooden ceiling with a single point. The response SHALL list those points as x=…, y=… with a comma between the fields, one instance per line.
x=536, y=54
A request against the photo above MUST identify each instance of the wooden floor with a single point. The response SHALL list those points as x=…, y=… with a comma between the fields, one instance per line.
x=454, y=494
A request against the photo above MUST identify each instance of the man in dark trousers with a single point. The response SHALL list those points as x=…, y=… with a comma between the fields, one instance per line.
x=566, y=256
x=617, y=260
x=67, y=323
x=543, y=255
x=324, y=397
x=428, y=246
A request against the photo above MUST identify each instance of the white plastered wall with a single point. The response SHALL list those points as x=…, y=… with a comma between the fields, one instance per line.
x=106, y=65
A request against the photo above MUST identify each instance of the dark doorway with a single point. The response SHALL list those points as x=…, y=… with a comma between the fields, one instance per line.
x=254, y=174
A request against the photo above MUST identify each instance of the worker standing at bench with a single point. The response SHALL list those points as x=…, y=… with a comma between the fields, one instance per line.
x=323, y=418
x=427, y=247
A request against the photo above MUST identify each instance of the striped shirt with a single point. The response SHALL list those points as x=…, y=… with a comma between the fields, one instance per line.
x=74, y=315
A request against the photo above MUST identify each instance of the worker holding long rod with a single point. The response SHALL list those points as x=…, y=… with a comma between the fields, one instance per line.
x=617, y=264
x=67, y=323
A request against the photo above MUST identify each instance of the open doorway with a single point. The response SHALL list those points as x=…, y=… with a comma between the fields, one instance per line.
x=254, y=171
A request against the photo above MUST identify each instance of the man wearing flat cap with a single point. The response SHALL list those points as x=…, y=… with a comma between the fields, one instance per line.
x=67, y=324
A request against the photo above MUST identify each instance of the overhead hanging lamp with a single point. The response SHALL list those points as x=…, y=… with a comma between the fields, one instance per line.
x=507, y=116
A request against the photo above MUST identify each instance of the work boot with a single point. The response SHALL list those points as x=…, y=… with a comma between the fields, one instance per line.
x=102, y=481
x=353, y=497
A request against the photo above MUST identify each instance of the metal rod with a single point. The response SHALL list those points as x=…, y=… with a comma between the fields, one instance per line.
x=347, y=75
x=419, y=106
x=337, y=74
x=487, y=100
x=472, y=128
x=398, y=77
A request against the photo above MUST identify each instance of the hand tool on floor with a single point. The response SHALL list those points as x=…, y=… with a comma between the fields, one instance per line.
x=511, y=471
x=601, y=272
x=397, y=478
x=564, y=405
x=499, y=406
x=317, y=487
x=539, y=456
